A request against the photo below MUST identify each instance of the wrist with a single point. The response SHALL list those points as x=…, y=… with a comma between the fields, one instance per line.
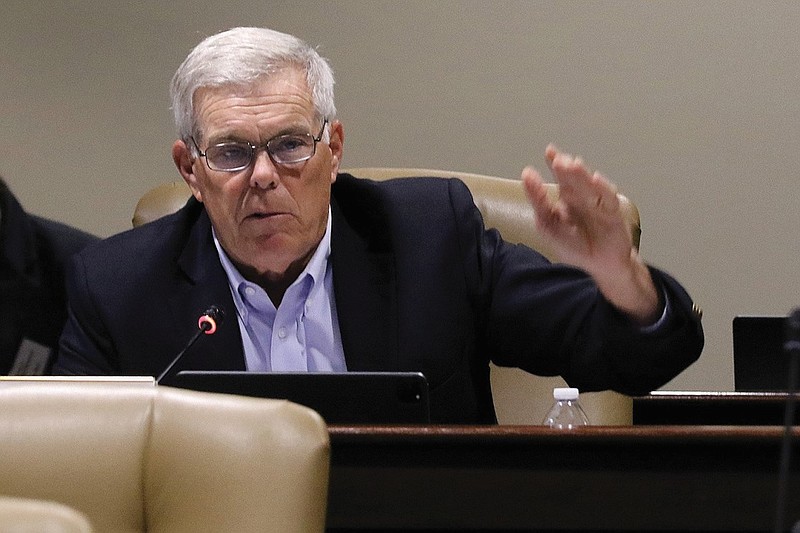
x=632, y=292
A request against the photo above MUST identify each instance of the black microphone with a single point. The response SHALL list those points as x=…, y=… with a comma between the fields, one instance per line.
x=791, y=348
x=207, y=323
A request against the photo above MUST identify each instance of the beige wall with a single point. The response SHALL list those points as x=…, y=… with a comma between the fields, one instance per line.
x=691, y=107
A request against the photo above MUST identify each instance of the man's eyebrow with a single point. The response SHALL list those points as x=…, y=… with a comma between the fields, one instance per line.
x=226, y=135
x=291, y=129
x=226, y=138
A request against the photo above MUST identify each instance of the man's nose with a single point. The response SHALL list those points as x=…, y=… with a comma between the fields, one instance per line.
x=265, y=173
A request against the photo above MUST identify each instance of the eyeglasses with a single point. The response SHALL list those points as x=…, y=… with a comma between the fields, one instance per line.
x=283, y=150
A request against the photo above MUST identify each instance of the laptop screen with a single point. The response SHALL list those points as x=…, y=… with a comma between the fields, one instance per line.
x=759, y=360
x=339, y=397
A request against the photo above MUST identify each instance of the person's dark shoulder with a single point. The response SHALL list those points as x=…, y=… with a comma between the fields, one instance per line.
x=62, y=240
x=407, y=195
x=401, y=185
x=154, y=241
x=404, y=211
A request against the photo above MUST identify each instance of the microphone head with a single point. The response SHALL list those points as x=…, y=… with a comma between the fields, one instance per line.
x=210, y=319
x=207, y=323
x=216, y=313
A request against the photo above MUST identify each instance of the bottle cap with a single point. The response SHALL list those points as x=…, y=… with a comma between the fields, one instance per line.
x=565, y=393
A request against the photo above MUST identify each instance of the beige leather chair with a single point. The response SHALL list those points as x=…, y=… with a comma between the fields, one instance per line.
x=520, y=398
x=157, y=459
x=24, y=515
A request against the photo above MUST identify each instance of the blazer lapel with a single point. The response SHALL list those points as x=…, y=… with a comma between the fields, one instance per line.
x=206, y=284
x=365, y=291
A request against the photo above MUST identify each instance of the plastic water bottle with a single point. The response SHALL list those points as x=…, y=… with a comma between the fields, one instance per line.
x=566, y=412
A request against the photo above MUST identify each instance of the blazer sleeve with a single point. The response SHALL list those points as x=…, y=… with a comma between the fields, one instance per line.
x=551, y=319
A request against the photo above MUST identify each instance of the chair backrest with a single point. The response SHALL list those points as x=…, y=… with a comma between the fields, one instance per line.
x=25, y=515
x=519, y=397
x=159, y=201
x=158, y=459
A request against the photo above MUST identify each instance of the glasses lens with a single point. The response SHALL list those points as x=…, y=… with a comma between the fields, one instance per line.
x=291, y=148
x=229, y=156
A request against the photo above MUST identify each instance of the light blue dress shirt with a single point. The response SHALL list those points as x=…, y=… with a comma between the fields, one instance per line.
x=302, y=334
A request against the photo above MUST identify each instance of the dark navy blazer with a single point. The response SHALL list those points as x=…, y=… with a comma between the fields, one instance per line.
x=420, y=285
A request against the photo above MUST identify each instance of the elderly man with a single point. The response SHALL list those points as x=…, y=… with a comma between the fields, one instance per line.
x=320, y=271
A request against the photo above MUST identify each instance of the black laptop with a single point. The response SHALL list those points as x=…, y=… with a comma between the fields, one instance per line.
x=340, y=397
x=759, y=360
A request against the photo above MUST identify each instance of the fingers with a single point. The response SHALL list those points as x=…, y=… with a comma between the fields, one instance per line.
x=534, y=186
x=550, y=153
x=580, y=188
x=607, y=198
x=544, y=207
x=584, y=224
x=597, y=193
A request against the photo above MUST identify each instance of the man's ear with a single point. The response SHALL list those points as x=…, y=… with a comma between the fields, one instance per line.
x=336, y=145
x=182, y=156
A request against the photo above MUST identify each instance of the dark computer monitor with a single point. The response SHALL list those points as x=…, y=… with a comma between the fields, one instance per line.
x=340, y=397
x=759, y=360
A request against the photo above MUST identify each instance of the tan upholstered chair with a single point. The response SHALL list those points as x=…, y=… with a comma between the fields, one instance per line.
x=24, y=515
x=519, y=397
x=135, y=458
x=159, y=201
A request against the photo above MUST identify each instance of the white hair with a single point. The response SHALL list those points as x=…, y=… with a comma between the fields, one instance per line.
x=240, y=56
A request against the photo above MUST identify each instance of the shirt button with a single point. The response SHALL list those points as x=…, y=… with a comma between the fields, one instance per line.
x=250, y=291
x=282, y=333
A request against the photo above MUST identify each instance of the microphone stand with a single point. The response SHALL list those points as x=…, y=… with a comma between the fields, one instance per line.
x=180, y=355
x=207, y=323
x=792, y=349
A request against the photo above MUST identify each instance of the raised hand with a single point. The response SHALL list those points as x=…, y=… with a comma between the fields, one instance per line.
x=587, y=229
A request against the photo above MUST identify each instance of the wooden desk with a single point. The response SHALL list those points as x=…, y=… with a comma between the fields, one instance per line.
x=513, y=478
